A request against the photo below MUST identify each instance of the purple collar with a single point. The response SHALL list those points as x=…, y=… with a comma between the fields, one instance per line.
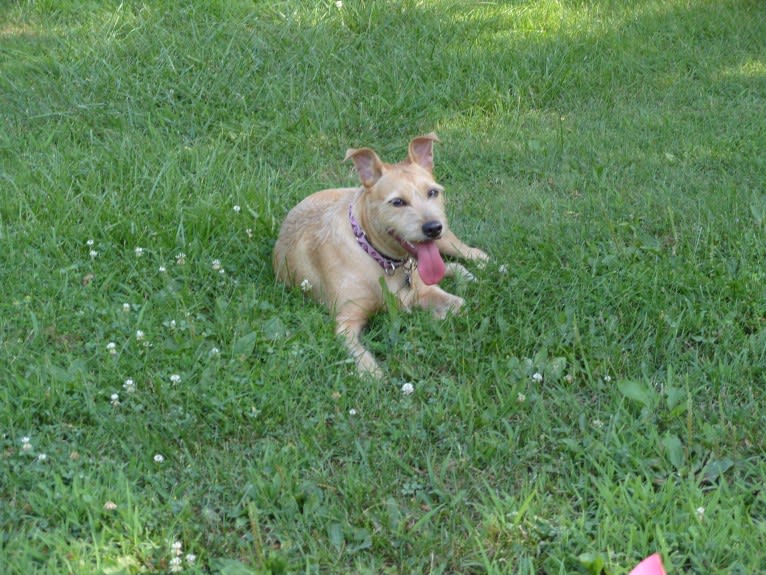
x=387, y=263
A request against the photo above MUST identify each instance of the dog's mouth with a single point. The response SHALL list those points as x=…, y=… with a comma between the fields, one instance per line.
x=430, y=263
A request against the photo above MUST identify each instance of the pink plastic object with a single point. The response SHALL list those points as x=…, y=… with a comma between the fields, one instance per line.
x=652, y=565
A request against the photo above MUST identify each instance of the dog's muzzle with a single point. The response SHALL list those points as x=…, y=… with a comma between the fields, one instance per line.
x=432, y=229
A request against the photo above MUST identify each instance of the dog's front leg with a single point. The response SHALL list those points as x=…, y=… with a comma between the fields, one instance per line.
x=438, y=301
x=349, y=325
x=454, y=269
x=451, y=245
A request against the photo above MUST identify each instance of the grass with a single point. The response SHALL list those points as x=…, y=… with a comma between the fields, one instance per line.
x=601, y=398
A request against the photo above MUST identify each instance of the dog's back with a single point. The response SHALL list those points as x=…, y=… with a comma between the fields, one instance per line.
x=308, y=226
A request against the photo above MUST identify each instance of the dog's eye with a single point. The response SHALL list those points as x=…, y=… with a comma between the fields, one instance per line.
x=398, y=203
x=433, y=193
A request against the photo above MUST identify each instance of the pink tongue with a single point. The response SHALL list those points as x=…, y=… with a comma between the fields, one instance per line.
x=430, y=263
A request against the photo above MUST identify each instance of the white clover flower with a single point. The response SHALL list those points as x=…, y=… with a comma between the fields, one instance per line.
x=90, y=243
x=597, y=423
x=216, y=265
x=162, y=269
x=521, y=398
x=93, y=254
x=25, y=444
x=110, y=506
x=236, y=209
x=175, y=565
x=111, y=347
x=700, y=513
x=42, y=457
x=503, y=269
x=176, y=547
x=139, y=251
x=126, y=307
x=607, y=378
x=306, y=285
x=339, y=4
x=249, y=232
x=537, y=376
x=180, y=258
x=215, y=351
x=191, y=558
x=129, y=386
x=175, y=378
x=159, y=458
x=140, y=335
x=115, y=399
x=352, y=412
x=408, y=388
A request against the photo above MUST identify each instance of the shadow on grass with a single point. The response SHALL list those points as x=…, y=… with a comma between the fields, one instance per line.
x=307, y=83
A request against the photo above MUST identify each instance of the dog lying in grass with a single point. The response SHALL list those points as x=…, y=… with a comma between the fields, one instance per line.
x=345, y=245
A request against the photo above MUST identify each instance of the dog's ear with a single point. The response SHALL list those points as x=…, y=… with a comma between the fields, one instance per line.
x=368, y=165
x=422, y=151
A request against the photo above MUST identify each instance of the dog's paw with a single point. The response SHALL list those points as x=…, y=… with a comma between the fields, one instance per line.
x=448, y=305
x=457, y=270
x=480, y=257
x=367, y=367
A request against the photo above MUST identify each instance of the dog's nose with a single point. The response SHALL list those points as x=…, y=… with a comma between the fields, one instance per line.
x=432, y=229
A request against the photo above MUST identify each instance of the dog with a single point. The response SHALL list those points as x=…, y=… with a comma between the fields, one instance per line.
x=347, y=247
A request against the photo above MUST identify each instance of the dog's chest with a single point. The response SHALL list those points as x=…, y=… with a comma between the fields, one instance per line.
x=403, y=282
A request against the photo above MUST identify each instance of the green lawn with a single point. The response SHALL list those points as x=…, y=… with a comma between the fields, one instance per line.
x=166, y=406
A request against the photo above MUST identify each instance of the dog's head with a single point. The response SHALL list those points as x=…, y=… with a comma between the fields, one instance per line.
x=403, y=206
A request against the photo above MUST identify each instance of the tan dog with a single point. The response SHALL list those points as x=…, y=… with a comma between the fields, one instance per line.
x=344, y=244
